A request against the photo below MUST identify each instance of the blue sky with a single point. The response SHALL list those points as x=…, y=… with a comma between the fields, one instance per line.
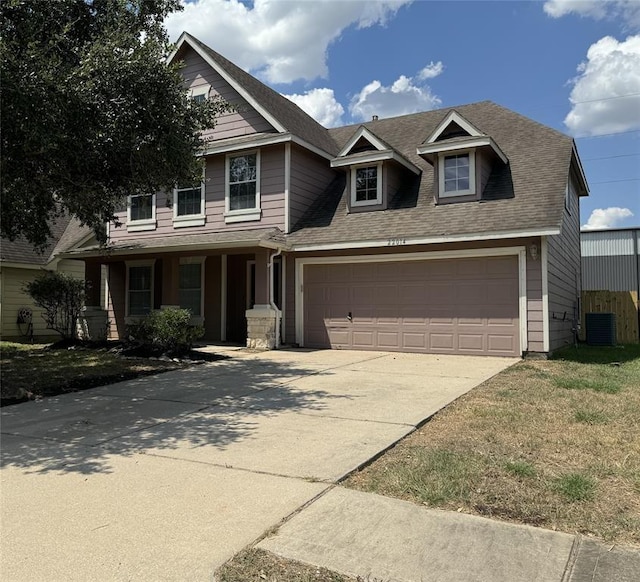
x=572, y=65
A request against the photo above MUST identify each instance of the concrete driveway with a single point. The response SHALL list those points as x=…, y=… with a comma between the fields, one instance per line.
x=167, y=477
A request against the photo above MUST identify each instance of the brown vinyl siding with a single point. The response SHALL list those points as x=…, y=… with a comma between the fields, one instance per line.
x=563, y=264
x=244, y=121
x=271, y=202
x=310, y=176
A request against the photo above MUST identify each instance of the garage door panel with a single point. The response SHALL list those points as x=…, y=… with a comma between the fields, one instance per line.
x=452, y=306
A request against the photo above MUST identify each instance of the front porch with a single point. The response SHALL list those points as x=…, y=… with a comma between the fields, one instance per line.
x=235, y=294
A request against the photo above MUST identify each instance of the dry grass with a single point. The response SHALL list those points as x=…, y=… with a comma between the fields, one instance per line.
x=256, y=565
x=553, y=443
x=31, y=371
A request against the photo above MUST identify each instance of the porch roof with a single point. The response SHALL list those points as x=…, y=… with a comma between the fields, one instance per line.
x=271, y=238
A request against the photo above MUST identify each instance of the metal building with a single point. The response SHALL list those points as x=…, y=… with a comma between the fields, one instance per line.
x=611, y=260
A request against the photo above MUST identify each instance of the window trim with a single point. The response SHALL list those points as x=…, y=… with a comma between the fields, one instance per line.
x=145, y=223
x=195, y=319
x=471, y=191
x=189, y=219
x=138, y=263
x=245, y=214
x=200, y=90
x=378, y=199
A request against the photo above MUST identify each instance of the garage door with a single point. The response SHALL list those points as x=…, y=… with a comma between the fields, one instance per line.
x=460, y=306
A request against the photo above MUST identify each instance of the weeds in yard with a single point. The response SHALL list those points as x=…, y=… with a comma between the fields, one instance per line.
x=598, y=385
x=520, y=468
x=590, y=416
x=576, y=487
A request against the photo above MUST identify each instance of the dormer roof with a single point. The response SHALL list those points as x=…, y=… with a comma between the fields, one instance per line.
x=454, y=133
x=379, y=151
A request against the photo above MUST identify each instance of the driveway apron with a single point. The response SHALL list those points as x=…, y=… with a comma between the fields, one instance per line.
x=167, y=477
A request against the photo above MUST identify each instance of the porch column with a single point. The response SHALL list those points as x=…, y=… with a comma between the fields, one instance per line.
x=93, y=321
x=263, y=322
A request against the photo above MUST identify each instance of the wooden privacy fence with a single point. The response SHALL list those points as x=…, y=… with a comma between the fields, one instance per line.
x=623, y=303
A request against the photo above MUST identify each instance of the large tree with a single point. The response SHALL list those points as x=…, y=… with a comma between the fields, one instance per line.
x=91, y=111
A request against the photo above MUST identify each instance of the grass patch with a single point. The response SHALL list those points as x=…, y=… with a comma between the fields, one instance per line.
x=528, y=443
x=31, y=371
x=520, y=468
x=576, y=487
x=605, y=385
x=590, y=417
x=256, y=565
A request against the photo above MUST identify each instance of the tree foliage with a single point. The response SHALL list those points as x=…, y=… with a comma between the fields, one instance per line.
x=91, y=111
x=61, y=297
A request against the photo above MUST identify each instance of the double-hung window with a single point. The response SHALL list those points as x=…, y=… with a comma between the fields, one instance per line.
x=242, y=197
x=366, y=185
x=191, y=285
x=141, y=212
x=139, y=287
x=457, y=174
x=188, y=205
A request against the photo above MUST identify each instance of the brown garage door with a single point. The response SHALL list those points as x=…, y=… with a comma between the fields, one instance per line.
x=459, y=306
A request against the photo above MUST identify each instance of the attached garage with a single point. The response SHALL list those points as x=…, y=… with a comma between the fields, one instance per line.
x=447, y=305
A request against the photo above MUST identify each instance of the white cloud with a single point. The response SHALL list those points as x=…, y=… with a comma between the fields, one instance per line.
x=627, y=10
x=606, y=92
x=321, y=104
x=431, y=70
x=280, y=41
x=607, y=217
x=402, y=97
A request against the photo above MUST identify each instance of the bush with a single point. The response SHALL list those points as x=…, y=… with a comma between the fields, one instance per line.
x=61, y=296
x=168, y=330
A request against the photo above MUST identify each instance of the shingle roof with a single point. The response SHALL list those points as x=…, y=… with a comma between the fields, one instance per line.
x=296, y=121
x=241, y=238
x=65, y=233
x=526, y=194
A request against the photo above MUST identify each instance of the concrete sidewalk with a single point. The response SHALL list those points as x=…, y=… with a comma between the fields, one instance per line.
x=379, y=538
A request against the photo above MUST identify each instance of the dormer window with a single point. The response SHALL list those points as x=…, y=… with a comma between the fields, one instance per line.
x=457, y=174
x=366, y=185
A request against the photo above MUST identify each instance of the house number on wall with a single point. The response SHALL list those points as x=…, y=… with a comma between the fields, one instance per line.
x=394, y=242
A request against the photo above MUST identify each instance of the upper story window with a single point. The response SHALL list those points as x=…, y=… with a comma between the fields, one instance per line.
x=366, y=185
x=457, y=174
x=242, y=187
x=200, y=93
x=188, y=206
x=141, y=212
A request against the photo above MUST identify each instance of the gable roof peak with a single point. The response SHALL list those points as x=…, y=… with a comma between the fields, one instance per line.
x=283, y=115
x=454, y=118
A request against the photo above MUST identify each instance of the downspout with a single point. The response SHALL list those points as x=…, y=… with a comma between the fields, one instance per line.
x=272, y=303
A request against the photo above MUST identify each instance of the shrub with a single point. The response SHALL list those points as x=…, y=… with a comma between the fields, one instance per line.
x=168, y=330
x=61, y=296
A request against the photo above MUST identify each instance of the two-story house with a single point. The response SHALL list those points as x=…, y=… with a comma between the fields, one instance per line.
x=452, y=231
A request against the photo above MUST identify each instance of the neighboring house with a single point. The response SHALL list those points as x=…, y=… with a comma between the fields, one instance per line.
x=21, y=264
x=453, y=231
x=611, y=277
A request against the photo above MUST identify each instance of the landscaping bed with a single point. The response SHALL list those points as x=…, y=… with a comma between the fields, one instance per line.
x=33, y=371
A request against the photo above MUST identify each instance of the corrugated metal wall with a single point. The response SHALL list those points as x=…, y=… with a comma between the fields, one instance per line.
x=610, y=260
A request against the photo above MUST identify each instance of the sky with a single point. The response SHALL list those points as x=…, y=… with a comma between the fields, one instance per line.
x=573, y=65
